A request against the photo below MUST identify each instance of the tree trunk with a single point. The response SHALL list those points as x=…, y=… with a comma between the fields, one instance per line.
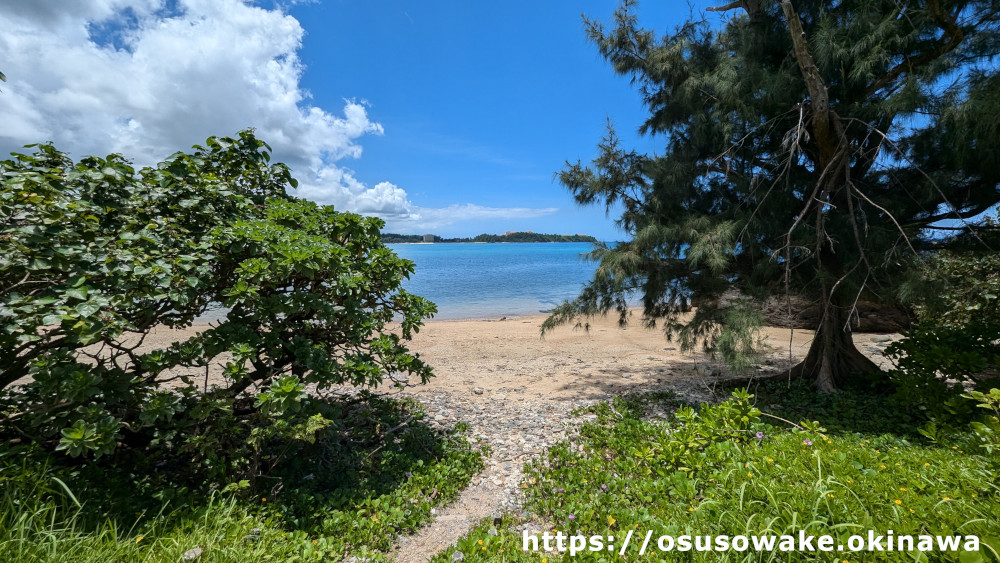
x=833, y=360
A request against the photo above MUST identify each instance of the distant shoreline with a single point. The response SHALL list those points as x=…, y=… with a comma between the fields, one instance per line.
x=514, y=236
x=497, y=242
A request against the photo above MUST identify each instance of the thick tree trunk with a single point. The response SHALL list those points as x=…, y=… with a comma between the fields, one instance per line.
x=833, y=360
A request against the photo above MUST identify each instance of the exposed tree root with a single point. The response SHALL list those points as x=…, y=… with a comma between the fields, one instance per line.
x=833, y=361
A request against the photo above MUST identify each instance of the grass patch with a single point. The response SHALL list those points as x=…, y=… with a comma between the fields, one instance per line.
x=350, y=493
x=490, y=542
x=726, y=469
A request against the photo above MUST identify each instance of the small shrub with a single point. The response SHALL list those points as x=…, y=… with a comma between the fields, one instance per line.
x=95, y=255
x=934, y=363
x=956, y=344
x=988, y=429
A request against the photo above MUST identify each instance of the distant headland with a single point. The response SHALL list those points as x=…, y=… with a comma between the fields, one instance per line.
x=509, y=236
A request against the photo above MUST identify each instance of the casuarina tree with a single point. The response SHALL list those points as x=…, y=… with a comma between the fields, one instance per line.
x=809, y=148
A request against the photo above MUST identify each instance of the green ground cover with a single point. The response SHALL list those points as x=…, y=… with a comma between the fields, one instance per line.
x=728, y=469
x=709, y=470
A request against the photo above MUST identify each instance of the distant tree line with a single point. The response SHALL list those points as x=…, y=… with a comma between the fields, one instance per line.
x=393, y=238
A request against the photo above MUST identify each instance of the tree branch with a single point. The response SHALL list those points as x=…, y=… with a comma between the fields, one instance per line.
x=954, y=34
x=814, y=81
x=727, y=7
x=752, y=7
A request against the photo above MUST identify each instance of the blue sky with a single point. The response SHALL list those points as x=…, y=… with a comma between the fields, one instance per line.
x=450, y=117
x=482, y=101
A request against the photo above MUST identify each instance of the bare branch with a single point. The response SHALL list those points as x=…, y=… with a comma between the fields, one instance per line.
x=956, y=214
x=727, y=7
x=752, y=7
x=888, y=214
x=24, y=279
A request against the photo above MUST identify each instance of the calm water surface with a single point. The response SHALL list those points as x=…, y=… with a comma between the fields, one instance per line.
x=470, y=280
x=473, y=280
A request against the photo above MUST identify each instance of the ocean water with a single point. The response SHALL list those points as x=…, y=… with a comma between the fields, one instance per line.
x=471, y=280
x=479, y=281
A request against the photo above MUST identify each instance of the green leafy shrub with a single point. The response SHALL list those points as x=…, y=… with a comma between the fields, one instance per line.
x=934, y=361
x=956, y=344
x=375, y=473
x=94, y=256
x=988, y=429
x=964, y=286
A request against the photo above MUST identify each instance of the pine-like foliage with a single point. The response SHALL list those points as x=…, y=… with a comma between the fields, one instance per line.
x=808, y=146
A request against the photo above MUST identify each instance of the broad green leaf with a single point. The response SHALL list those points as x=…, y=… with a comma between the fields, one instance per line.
x=87, y=308
x=77, y=292
x=50, y=320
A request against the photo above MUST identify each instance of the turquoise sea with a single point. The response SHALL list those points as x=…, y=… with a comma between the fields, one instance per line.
x=474, y=280
x=489, y=280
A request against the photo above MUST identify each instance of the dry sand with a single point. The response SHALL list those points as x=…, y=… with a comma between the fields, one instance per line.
x=568, y=364
x=509, y=356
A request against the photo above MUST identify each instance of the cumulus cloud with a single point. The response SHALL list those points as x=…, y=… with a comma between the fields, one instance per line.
x=147, y=77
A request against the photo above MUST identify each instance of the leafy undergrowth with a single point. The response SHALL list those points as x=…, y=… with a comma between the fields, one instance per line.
x=728, y=469
x=351, y=493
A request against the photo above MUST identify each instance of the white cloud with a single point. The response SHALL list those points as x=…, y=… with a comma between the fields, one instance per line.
x=422, y=218
x=146, y=77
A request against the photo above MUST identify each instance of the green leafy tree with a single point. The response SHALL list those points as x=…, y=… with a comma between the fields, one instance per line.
x=808, y=147
x=95, y=256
